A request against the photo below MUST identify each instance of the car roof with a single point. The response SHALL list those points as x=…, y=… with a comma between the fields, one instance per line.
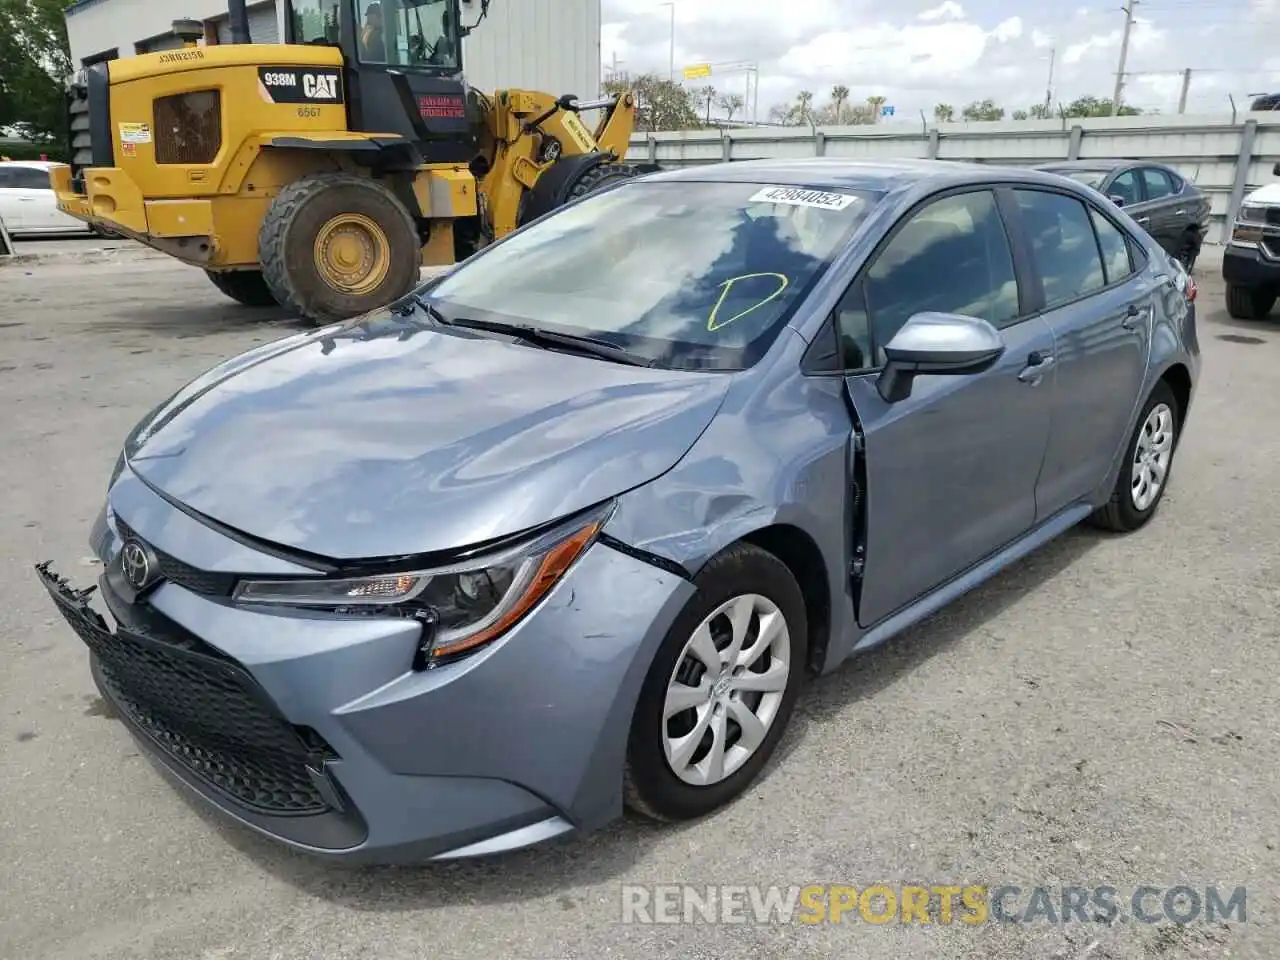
x=883, y=176
x=1102, y=164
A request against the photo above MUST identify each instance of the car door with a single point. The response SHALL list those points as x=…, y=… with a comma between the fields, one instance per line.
x=10, y=208
x=1126, y=189
x=950, y=471
x=1098, y=303
x=1163, y=220
x=40, y=203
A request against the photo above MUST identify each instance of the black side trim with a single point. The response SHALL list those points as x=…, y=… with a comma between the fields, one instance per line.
x=388, y=151
x=97, y=79
x=662, y=563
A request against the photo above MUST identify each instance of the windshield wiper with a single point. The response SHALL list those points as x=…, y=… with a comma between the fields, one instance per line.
x=536, y=336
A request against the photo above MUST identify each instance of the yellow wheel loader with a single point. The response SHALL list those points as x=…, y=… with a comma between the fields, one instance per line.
x=322, y=172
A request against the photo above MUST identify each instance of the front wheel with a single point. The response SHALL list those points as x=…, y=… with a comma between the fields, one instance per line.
x=719, y=694
x=1144, y=475
x=1249, y=303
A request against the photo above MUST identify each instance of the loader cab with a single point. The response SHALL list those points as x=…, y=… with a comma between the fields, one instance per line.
x=403, y=68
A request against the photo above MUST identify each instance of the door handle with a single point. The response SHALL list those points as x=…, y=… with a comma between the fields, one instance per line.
x=1143, y=220
x=1133, y=317
x=1034, y=371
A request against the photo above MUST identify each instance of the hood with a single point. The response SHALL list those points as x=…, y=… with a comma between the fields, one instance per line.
x=396, y=437
x=1270, y=194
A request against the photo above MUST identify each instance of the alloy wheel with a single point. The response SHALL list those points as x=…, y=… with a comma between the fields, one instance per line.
x=1151, y=456
x=726, y=689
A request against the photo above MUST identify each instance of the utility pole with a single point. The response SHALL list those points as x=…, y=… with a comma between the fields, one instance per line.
x=672, y=70
x=1048, y=90
x=1186, y=88
x=1124, y=55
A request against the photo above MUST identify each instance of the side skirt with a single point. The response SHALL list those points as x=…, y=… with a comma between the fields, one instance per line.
x=1056, y=525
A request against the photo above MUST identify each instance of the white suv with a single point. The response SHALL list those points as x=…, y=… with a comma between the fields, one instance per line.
x=27, y=202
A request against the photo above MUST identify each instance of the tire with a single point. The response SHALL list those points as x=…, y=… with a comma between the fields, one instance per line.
x=243, y=286
x=320, y=205
x=1249, y=303
x=651, y=786
x=1189, y=252
x=603, y=176
x=1126, y=510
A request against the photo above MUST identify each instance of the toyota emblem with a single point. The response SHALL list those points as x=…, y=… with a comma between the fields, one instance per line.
x=135, y=564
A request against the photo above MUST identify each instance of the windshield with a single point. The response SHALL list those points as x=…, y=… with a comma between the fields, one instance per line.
x=684, y=274
x=409, y=33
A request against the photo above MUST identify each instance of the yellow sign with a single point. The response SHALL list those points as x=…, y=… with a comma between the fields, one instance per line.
x=577, y=130
x=697, y=71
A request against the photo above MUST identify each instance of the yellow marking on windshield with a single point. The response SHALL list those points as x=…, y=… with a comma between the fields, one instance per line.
x=713, y=325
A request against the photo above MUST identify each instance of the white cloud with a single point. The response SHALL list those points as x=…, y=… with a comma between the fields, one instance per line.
x=1040, y=39
x=948, y=10
x=1007, y=30
x=914, y=52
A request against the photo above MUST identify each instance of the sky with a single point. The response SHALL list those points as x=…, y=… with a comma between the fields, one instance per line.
x=917, y=53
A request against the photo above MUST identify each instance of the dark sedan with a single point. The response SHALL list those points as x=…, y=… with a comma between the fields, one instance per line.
x=1168, y=206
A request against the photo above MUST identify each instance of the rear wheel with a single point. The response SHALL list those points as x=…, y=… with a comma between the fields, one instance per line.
x=243, y=286
x=1189, y=251
x=1249, y=303
x=1144, y=476
x=335, y=245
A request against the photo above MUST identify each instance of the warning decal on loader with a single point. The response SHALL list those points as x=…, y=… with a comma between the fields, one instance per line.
x=301, y=85
x=135, y=133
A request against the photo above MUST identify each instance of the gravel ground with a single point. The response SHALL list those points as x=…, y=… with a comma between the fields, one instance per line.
x=1103, y=714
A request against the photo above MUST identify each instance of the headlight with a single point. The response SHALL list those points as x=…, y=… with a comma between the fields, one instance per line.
x=1252, y=214
x=469, y=603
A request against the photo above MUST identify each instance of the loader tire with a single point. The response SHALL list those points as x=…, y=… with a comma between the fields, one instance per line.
x=243, y=286
x=601, y=177
x=336, y=245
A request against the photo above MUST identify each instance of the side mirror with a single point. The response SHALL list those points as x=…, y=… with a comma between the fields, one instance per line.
x=1116, y=199
x=936, y=343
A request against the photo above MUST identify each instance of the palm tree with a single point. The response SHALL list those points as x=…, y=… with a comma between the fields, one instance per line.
x=839, y=97
x=732, y=103
x=944, y=112
x=803, y=100
x=707, y=95
x=875, y=103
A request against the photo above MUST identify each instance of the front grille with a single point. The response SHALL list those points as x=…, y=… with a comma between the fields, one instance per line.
x=207, y=713
x=1273, y=216
x=205, y=582
x=188, y=127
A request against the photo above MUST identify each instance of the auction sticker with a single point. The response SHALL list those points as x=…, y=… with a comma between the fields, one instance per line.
x=135, y=133
x=801, y=197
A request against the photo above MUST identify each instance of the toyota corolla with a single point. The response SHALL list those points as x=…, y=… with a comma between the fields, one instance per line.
x=566, y=529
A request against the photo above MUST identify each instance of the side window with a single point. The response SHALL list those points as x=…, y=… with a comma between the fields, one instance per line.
x=1115, y=248
x=1126, y=187
x=1158, y=183
x=6, y=177
x=315, y=21
x=1063, y=243
x=951, y=256
x=31, y=178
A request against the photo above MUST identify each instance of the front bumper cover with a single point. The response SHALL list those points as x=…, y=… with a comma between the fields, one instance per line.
x=1248, y=267
x=523, y=741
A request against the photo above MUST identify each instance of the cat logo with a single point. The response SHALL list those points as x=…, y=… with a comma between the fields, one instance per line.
x=320, y=87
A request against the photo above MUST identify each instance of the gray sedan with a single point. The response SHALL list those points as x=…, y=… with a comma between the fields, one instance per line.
x=567, y=528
